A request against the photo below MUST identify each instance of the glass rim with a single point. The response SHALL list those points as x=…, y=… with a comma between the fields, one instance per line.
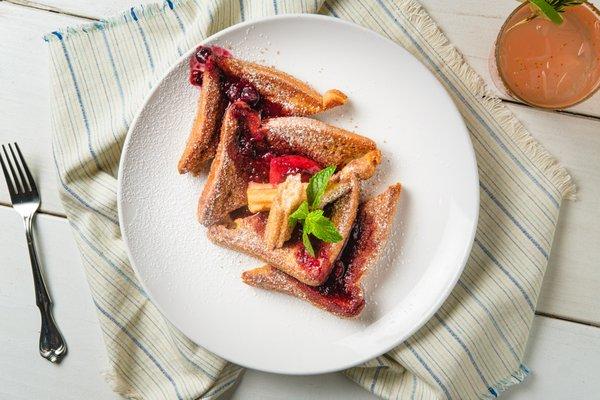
x=592, y=8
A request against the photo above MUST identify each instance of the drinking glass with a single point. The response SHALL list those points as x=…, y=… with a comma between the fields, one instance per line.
x=545, y=64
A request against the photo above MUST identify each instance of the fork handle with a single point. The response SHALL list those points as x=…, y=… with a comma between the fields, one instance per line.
x=52, y=344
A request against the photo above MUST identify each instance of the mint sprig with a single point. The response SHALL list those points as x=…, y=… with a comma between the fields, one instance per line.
x=311, y=216
x=552, y=9
x=307, y=244
x=317, y=186
x=300, y=214
x=320, y=226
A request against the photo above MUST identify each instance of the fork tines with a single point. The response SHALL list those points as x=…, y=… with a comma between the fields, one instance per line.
x=18, y=178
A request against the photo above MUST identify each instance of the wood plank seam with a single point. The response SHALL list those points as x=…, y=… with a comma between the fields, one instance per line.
x=567, y=319
x=45, y=7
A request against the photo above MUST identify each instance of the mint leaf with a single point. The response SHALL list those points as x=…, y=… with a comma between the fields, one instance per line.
x=317, y=185
x=321, y=227
x=326, y=231
x=312, y=220
x=300, y=213
x=547, y=11
x=307, y=244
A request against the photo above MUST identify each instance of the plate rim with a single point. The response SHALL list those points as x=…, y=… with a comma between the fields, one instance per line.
x=471, y=155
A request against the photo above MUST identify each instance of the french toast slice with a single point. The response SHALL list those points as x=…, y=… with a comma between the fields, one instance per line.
x=342, y=293
x=203, y=139
x=225, y=187
x=294, y=97
x=224, y=78
x=247, y=236
x=246, y=146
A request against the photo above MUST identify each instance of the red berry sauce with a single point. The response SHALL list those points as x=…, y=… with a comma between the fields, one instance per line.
x=234, y=88
x=202, y=61
x=251, y=153
x=318, y=265
x=307, y=261
x=335, y=285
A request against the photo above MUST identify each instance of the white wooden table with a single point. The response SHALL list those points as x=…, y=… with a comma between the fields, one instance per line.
x=564, y=350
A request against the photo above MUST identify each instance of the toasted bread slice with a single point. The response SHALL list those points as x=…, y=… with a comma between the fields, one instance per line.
x=247, y=236
x=225, y=188
x=292, y=95
x=342, y=293
x=321, y=142
x=204, y=136
x=279, y=94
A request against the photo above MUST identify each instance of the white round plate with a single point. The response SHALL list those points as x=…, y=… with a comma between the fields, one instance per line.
x=395, y=101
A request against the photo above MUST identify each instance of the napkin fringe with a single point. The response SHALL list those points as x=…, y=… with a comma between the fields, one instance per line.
x=455, y=61
x=120, y=386
x=515, y=378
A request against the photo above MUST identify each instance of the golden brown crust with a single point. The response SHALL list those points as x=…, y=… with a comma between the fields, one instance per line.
x=247, y=237
x=204, y=136
x=340, y=183
x=295, y=96
x=373, y=226
x=321, y=142
x=333, y=98
x=225, y=188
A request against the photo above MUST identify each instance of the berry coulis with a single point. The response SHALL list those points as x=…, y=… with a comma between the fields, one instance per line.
x=252, y=154
x=313, y=265
x=234, y=88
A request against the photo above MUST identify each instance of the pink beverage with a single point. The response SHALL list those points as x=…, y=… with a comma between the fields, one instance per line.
x=549, y=65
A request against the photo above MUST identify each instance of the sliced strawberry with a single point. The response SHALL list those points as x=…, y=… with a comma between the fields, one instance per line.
x=281, y=167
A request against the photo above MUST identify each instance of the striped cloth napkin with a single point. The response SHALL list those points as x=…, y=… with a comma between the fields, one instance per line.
x=472, y=348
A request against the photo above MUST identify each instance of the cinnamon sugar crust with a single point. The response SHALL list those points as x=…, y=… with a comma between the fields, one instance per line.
x=225, y=188
x=204, y=136
x=321, y=142
x=295, y=97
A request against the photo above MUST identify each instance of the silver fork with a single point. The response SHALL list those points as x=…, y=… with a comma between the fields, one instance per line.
x=26, y=201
